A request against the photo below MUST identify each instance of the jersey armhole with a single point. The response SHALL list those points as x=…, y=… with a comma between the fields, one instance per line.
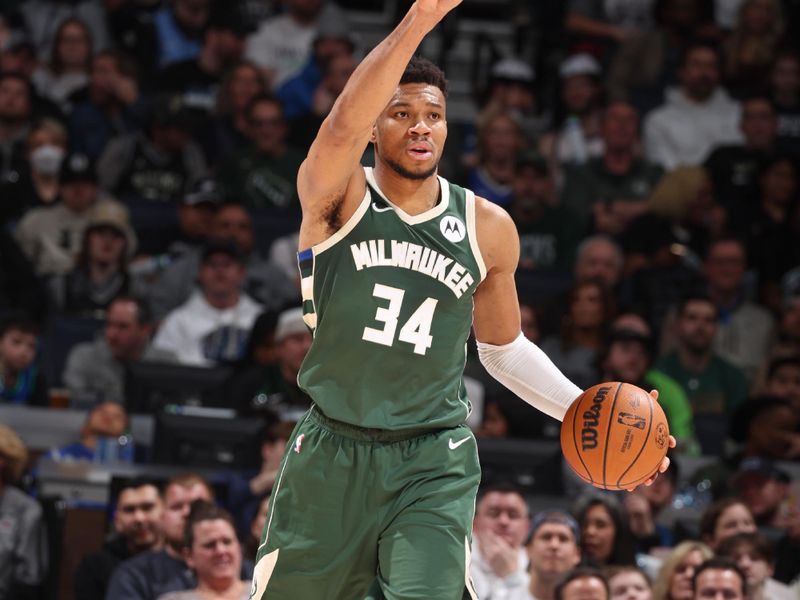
x=349, y=225
x=472, y=232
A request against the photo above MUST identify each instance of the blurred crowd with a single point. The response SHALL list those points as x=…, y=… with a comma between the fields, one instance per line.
x=647, y=151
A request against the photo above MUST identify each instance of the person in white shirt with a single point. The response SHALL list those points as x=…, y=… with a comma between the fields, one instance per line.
x=499, y=562
x=212, y=326
x=696, y=117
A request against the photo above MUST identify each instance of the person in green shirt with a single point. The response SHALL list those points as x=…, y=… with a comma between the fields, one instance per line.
x=262, y=175
x=714, y=386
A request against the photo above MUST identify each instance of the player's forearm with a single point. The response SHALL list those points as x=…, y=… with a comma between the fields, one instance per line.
x=372, y=84
x=527, y=371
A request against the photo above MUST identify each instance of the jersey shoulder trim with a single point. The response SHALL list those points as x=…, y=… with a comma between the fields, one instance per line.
x=347, y=227
x=472, y=232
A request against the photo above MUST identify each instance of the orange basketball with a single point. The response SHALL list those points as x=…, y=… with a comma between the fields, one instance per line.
x=614, y=435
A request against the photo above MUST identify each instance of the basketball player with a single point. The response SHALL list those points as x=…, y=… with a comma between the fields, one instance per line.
x=378, y=483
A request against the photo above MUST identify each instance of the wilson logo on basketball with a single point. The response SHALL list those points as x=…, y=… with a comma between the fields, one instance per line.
x=591, y=419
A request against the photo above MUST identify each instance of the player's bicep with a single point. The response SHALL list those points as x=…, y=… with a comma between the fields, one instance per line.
x=327, y=171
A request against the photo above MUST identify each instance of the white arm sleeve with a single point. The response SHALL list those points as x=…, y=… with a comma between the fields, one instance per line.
x=524, y=369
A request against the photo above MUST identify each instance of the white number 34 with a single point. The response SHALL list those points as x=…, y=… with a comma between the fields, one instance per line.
x=416, y=331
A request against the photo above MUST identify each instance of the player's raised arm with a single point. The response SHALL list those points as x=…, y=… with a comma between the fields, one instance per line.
x=506, y=354
x=335, y=153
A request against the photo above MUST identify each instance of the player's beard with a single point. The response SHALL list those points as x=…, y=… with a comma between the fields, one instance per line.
x=403, y=172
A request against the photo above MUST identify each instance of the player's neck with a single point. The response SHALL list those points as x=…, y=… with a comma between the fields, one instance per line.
x=414, y=196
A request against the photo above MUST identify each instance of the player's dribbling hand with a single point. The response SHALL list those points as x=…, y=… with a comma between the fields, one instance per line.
x=664, y=463
x=437, y=7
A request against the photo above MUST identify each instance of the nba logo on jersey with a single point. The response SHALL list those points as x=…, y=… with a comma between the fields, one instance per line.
x=453, y=229
x=299, y=442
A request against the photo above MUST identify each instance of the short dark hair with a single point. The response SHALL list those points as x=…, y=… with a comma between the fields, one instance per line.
x=694, y=297
x=720, y=563
x=709, y=519
x=421, y=70
x=204, y=511
x=759, y=545
x=699, y=45
x=19, y=323
x=500, y=487
x=134, y=483
x=582, y=572
x=262, y=98
x=144, y=314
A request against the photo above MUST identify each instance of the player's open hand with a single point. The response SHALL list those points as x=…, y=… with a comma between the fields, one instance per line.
x=437, y=7
x=664, y=463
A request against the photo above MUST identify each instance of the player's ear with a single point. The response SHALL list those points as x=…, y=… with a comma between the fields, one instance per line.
x=373, y=134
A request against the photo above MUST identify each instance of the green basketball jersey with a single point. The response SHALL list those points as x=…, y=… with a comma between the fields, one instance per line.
x=389, y=300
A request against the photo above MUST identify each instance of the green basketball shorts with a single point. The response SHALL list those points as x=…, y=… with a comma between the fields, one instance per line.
x=358, y=513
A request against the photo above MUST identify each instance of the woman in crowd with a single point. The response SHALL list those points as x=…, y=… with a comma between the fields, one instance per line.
x=628, y=583
x=605, y=537
x=70, y=63
x=723, y=519
x=674, y=581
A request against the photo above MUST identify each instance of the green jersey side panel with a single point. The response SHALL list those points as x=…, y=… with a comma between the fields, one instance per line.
x=389, y=298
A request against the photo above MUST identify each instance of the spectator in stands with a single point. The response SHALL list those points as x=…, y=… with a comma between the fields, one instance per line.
x=605, y=536
x=336, y=72
x=614, y=186
x=253, y=538
x=159, y=164
x=510, y=89
x=771, y=232
x=282, y=44
x=21, y=292
x=214, y=554
x=588, y=312
x=101, y=268
x=714, y=386
x=109, y=106
x=211, y=327
x=674, y=581
x=500, y=139
x=52, y=236
x=548, y=232
x=263, y=281
x=754, y=555
x=788, y=338
x=628, y=583
x=298, y=94
x=745, y=329
x=262, y=176
x=749, y=50
x=15, y=120
x=95, y=371
x=38, y=183
x=500, y=526
x=599, y=257
x=68, y=68
x=553, y=548
x=23, y=546
x=610, y=25
x=719, y=578
x=767, y=427
x=643, y=506
x=21, y=381
x=196, y=212
x=783, y=379
x=785, y=93
x=179, y=26
x=149, y=574
x=648, y=61
x=635, y=352
x=198, y=77
x=734, y=168
x=723, y=519
x=272, y=390
x=695, y=117
x=18, y=54
x=582, y=583
x=42, y=19
x=577, y=137
x=106, y=419
x=764, y=488
x=685, y=199
x=137, y=514
x=228, y=130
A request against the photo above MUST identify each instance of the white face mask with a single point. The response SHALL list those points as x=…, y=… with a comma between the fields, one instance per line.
x=46, y=160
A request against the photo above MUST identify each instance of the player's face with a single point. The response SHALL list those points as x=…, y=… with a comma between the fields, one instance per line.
x=585, y=588
x=718, y=584
x=597, y=534
x=177, y=504
x=215, y=555
x=505, y=514
x=629, y=585
x=553, y=549
x=410, y=133
x=137, y=516
x=735, y=519
x=680, y=587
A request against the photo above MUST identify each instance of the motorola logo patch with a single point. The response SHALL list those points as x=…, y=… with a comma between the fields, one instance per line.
x=453, y=229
